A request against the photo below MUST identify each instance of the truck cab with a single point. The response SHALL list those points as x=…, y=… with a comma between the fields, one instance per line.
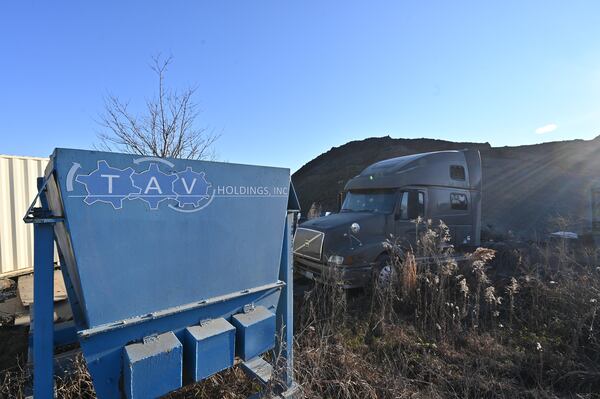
x=382, y=203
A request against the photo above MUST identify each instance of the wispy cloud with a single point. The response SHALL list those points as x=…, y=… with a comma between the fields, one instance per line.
x=546, y=128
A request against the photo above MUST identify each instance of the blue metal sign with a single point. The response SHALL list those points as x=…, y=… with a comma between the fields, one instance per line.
x=180, y=217
x=152, y=246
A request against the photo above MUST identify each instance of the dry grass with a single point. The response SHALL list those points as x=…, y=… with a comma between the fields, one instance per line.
x=14, y=381
x=442, y=329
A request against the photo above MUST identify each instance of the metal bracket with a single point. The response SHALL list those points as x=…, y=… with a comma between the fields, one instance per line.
x=150, y=338
x=205, y=322
x=40, y=214
x=259, y=369
x=249, y=308
x=352, y=236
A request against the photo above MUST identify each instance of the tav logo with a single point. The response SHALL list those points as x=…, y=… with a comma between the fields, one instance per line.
x=187, y=190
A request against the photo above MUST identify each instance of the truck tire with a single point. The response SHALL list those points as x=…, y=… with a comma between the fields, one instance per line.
x=382, y=271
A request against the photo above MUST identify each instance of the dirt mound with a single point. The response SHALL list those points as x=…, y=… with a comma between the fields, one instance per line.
x=524, y=187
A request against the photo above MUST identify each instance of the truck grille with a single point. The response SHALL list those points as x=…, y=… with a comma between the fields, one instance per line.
x=308, y=243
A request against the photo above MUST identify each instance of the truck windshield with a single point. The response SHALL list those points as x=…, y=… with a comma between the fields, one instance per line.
x=377, y=201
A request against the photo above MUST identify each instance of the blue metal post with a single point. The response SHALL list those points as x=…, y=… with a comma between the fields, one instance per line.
x=285, y=321
x=43, y=307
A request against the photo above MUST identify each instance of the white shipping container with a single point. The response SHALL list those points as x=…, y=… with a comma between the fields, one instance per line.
x=18, y=177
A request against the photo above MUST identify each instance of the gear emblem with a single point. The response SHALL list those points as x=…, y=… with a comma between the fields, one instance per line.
x=191, y=187
x=107, y=184
x=154, y=185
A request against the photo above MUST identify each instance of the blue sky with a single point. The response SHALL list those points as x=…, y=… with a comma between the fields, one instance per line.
x=285, y=81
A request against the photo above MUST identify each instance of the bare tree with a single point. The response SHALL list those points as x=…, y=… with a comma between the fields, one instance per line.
x=167, y=128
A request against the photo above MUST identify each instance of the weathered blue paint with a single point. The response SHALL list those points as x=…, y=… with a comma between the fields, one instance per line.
x=43, y=305
x=255, y=332
x=153, y=367
x=209, y=348
x=152, y=246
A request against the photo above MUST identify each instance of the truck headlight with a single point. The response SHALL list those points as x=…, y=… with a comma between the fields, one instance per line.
x=335, y=260
x=355, y=228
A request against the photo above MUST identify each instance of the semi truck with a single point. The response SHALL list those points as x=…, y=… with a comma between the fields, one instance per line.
x=384, y=201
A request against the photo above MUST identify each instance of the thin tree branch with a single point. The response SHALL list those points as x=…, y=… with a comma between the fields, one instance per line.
x=167, y=128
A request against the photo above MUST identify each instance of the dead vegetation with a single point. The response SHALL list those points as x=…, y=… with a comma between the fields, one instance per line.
x=447, y=329
x=436, y=329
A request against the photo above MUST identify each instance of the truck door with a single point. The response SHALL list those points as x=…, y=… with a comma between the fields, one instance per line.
x=411, y=205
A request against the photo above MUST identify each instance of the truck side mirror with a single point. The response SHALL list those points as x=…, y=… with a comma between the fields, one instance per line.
x=413, y=205
x=400, y=211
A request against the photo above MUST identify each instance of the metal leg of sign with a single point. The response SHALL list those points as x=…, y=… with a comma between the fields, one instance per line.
x=285, y=317
x=43, y=307
x=43, y=298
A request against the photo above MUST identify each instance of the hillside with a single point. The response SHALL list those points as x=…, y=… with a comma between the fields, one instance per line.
x=523, y=187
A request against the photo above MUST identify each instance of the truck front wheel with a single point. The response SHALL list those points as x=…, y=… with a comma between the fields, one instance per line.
x=382, y=271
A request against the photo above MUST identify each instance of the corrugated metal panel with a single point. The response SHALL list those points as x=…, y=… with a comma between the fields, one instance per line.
x=17, y=190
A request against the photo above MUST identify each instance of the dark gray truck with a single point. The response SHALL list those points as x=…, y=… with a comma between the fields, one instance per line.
x=385, y=199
